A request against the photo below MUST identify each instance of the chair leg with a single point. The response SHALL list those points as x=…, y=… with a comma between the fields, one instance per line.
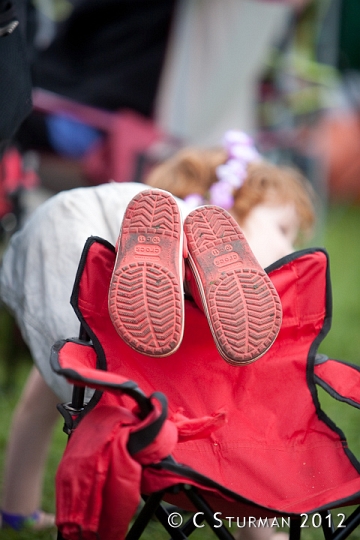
x=349, y=526
x=180, y=533
x=295, y=529
x=144, y=516
x=327, y=525
x=189, y=527
x=199, y=502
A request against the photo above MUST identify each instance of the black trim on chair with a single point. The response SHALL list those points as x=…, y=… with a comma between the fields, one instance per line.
x=129, y=388
x=75, y=410
x=293, y=256
x=184, y=471
x=322, y=359
x=140, y=439
x=311, y=380
x=75, y=296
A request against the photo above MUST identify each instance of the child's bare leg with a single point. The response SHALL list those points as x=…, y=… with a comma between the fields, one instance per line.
x=260, y=533
x=34, y=419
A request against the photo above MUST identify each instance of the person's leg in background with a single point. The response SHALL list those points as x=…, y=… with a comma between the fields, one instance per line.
x=32, y=427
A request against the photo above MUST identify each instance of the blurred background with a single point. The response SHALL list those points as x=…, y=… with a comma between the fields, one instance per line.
x=119, y=86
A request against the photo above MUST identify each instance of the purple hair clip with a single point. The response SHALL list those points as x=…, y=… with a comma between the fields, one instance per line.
x=194, y=200
x=232, y=174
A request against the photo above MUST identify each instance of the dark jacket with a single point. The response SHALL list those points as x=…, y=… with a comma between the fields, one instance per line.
x=108, y=53
x=15, y=81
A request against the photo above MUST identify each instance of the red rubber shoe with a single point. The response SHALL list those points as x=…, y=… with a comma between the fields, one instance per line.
x=146, y=299
x=241, y=304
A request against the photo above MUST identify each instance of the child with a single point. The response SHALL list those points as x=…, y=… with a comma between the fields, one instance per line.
x=273, y=206
x=273, y=203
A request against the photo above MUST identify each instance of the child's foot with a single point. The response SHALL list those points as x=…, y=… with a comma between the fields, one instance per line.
x=146, y=300
x=37, y=521
x=241, y=304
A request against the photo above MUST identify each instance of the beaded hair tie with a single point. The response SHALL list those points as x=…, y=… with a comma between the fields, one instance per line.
x=231, y=175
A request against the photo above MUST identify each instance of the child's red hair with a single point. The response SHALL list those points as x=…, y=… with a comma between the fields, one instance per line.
x=193, y=170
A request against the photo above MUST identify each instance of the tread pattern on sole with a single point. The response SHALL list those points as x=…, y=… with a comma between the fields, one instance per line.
x=146, y=294
x=153, y=212
x=240, y=301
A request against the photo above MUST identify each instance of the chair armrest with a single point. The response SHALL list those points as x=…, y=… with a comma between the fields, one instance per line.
x=76, y=360
x=340, y=379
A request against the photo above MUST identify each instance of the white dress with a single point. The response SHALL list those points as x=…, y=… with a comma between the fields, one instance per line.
x=41, y=260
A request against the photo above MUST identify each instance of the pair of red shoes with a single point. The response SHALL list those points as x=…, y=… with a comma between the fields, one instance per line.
x=146, y=297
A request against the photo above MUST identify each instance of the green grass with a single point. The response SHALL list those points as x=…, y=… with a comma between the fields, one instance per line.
x=341, y=239
x=343, y=341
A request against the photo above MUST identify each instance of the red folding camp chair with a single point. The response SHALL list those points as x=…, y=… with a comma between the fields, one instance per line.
x=249, y=442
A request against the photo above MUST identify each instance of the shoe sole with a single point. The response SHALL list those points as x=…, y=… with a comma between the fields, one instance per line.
x=241, y=303
x=146, y=300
